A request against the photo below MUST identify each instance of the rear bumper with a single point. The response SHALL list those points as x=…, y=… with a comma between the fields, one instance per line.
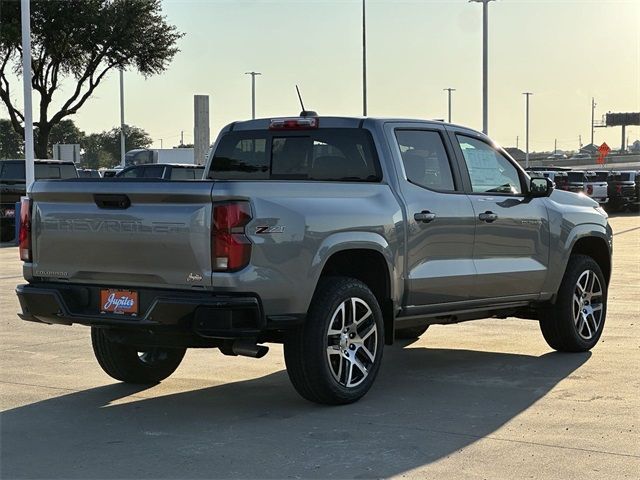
x=202, y=314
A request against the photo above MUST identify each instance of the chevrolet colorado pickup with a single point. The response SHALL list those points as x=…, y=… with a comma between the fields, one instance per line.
x=330, y=235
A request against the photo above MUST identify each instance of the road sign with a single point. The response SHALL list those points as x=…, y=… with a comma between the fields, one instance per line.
x=604, y=150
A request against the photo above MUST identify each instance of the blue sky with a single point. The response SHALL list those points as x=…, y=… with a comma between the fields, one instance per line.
x=564, y=51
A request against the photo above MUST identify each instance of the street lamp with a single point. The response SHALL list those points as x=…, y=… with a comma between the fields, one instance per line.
x=25, y=18
x=122, y=142
x=526, y=161
x=364, y=58
x=449, y=90
x=485, y=61
x=253, y=92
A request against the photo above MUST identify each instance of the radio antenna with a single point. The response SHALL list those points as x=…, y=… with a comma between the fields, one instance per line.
x=300, y=98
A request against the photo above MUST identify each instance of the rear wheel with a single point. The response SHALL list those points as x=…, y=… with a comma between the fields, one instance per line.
x=576, y=321
x=411, y=333
x=335, y=356
x=132, y=365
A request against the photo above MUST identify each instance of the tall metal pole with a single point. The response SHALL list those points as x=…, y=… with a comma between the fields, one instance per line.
x=526, y=161
x=253, y=92
x=364, y=58
x=450, y=90
x=485, y=64
x=122, y=139
x=25, y=18
x=593, y=118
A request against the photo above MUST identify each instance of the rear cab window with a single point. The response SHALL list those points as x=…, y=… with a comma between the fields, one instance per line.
x=330, y=154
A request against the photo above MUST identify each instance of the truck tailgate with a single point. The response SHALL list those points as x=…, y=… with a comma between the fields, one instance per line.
x=122, y=232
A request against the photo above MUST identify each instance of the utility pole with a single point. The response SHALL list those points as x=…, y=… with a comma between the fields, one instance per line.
x=160, y=143
x=364, y=58
x=485, y=64
x=25, y=18
x=593, y=117
x=527, y=95
x=517, y=141
x=555, y=145
x=253, y=92
x=181, y=137
x=122, y=140
x=579, y=142
x=449, y=90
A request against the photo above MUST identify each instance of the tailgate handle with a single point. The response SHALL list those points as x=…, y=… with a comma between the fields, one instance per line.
x=112, y=202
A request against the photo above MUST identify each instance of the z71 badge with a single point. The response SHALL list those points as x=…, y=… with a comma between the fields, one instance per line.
x=266, y=229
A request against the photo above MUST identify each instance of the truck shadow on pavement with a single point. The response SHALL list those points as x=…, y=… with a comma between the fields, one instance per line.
x=426, y=404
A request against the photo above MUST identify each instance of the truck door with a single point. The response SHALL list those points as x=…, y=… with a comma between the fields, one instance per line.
x=511, y=250
x=439, y=217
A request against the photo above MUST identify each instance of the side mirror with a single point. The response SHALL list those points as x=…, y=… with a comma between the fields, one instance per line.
x=540, y=187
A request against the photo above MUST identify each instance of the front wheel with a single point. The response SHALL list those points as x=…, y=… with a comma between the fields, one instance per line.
x=576, y=321
x=132, y=365
x=335, y=356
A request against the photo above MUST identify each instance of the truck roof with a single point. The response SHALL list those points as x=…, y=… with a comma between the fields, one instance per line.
x=334, y=122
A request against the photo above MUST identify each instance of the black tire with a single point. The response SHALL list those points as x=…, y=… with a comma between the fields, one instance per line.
x=559, y=326
x=316, y=373
x=411, y=333
x=131, y=365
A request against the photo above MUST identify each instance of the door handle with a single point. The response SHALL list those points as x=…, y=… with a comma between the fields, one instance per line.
x=425, y=216
x=488, y=217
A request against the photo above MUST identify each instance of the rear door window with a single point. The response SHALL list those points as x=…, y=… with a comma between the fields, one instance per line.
x=153, y=172
x=186, y=173
x=425, y=159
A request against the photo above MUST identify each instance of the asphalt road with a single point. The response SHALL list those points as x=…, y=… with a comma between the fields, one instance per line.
x=485, y=399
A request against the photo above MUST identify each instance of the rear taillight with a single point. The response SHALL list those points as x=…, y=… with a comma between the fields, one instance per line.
x=230, y=247
x=618, y=188
x=24, y=237
x=589, y=189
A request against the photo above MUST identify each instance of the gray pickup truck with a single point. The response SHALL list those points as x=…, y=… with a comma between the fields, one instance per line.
x=333, y=236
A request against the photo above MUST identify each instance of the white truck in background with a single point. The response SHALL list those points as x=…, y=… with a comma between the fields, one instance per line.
x=142, y=156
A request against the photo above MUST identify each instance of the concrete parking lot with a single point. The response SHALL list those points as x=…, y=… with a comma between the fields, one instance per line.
x=484, y=399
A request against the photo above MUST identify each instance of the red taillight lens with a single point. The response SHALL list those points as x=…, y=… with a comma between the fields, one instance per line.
x=231, y=248
x=589, y=189
x=24, y=236
x=618, y=188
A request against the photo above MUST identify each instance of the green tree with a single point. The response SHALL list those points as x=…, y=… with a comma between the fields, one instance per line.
x=65, y=132
x=82, y=40
x=11, y=145
x=134, y=137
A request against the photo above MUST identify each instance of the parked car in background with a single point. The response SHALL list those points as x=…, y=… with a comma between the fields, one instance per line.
x=110, y=172
x=167, y=171
x=88, y=173
x=580, y=156
x=596, y=186
x=576, y=180
x=559, y=178
x=13, y=187
x=624, y=190
x=557, y=156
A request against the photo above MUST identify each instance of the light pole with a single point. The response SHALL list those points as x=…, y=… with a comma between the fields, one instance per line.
x=122, y=142
x=25, y=18
x=449, y=90
x=253, y=92
x=485, y=63
x=364, y=58
x=593, y=117
x=526, y=161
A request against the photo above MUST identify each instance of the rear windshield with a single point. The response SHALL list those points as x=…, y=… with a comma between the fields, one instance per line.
x=622, y=177
x=181, y=173
x=575, y=176
x=599, y=177
x=43, y=171
x=331, y=154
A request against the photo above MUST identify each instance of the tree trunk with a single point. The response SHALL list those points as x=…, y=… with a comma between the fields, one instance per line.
x=41, y=145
